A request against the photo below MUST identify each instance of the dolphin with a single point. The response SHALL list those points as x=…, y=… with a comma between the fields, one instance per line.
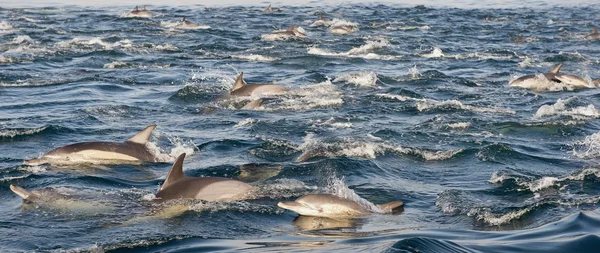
x=187, y=24
x=50, y=198
x=135, y=10
x=344, y=29
x=291, y=31
x=177, y=186
x=240, y=88
x=553, y=76
x=331, y=206
x=268, y=9
x=594, y=35
x=134, y=150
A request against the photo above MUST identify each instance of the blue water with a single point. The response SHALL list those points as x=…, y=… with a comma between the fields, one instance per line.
x=415, y=107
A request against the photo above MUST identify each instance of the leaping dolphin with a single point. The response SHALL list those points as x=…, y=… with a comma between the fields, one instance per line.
x=177, y=185
x=331, y=206
x=240, y=88
x=134, y=150
x=594, y=35
x=554, y=76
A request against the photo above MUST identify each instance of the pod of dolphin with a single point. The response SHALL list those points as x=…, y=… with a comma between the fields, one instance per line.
x=177, y=185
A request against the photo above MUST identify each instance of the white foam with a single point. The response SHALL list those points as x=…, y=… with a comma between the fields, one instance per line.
x=4, y=59
x=485, y=215
x=400, y=97
x=338, y=188
x=11, y=133
x=559, y=108
x=331, y=122
x=22, y=39
x=361, y=79
x=435, y=53
x=116, y=65
x=588, y=148
x=430, y=104
x=255, y=57
x=459, y=125
x=6, y=28
x=246, y=122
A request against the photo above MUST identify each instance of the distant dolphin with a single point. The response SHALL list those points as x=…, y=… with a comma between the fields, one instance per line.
x=187, y=24
x=268, y=9
x=344, y=29
x=144, y=13
x=291, y=31
x=240, y=88
x=594, y=35
x=134, y=150
x=177, y=186
x=554, y=76
x=330, y=206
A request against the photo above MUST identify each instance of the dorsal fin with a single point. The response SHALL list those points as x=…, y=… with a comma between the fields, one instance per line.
x=391, y=206
x=321, y=16
x=25, y=194
x=175, y=173
x=144, y=9
x=292, y=28
x=595, y=30
x=239, y=82
x=142, y=136
x=556, y=69
x=136, y=8
x=183, y=19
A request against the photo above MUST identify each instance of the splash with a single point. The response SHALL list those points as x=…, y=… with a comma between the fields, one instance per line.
x=414, y=73
x=435, y=53
x=361, y=79
x=22, y=39
x=541, y=83
x=331, y=122
x=255, y=57
x=588, y=148
x=246, y=122
x=560, y=108
x=338, y=188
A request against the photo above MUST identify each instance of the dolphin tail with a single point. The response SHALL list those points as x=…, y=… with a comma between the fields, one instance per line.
x=556, y=69
x=143, y=136
x=392, y=206
x=176, y=172
x=24, y=194
x=239, y=82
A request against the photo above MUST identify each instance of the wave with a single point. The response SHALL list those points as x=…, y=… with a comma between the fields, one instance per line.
x=495, y=209
x=120, y=65
x=124, y=45
x=426, y=104
x=21, y=132
x=353, y=147
x=255, y=57
x=6, y=28
x=436, y=52
x=366, y=51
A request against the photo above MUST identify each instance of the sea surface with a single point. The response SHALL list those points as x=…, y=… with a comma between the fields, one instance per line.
x=414, y=105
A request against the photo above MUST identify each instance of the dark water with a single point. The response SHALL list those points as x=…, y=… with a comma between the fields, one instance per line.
x=417, y=109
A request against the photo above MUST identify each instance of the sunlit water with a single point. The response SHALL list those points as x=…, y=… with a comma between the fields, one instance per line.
x=414, y=105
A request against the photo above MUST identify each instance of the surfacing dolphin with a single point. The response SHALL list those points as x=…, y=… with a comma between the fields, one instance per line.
x=241, y=88
x=293, y=31
x=553, y=76
x=268, y=9
x=177, y=186
x=135, y=150
x=52, y=199
x=594, y=35
x=331, y=206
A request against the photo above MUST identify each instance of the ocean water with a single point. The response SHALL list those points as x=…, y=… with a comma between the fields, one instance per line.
x=414, y=105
